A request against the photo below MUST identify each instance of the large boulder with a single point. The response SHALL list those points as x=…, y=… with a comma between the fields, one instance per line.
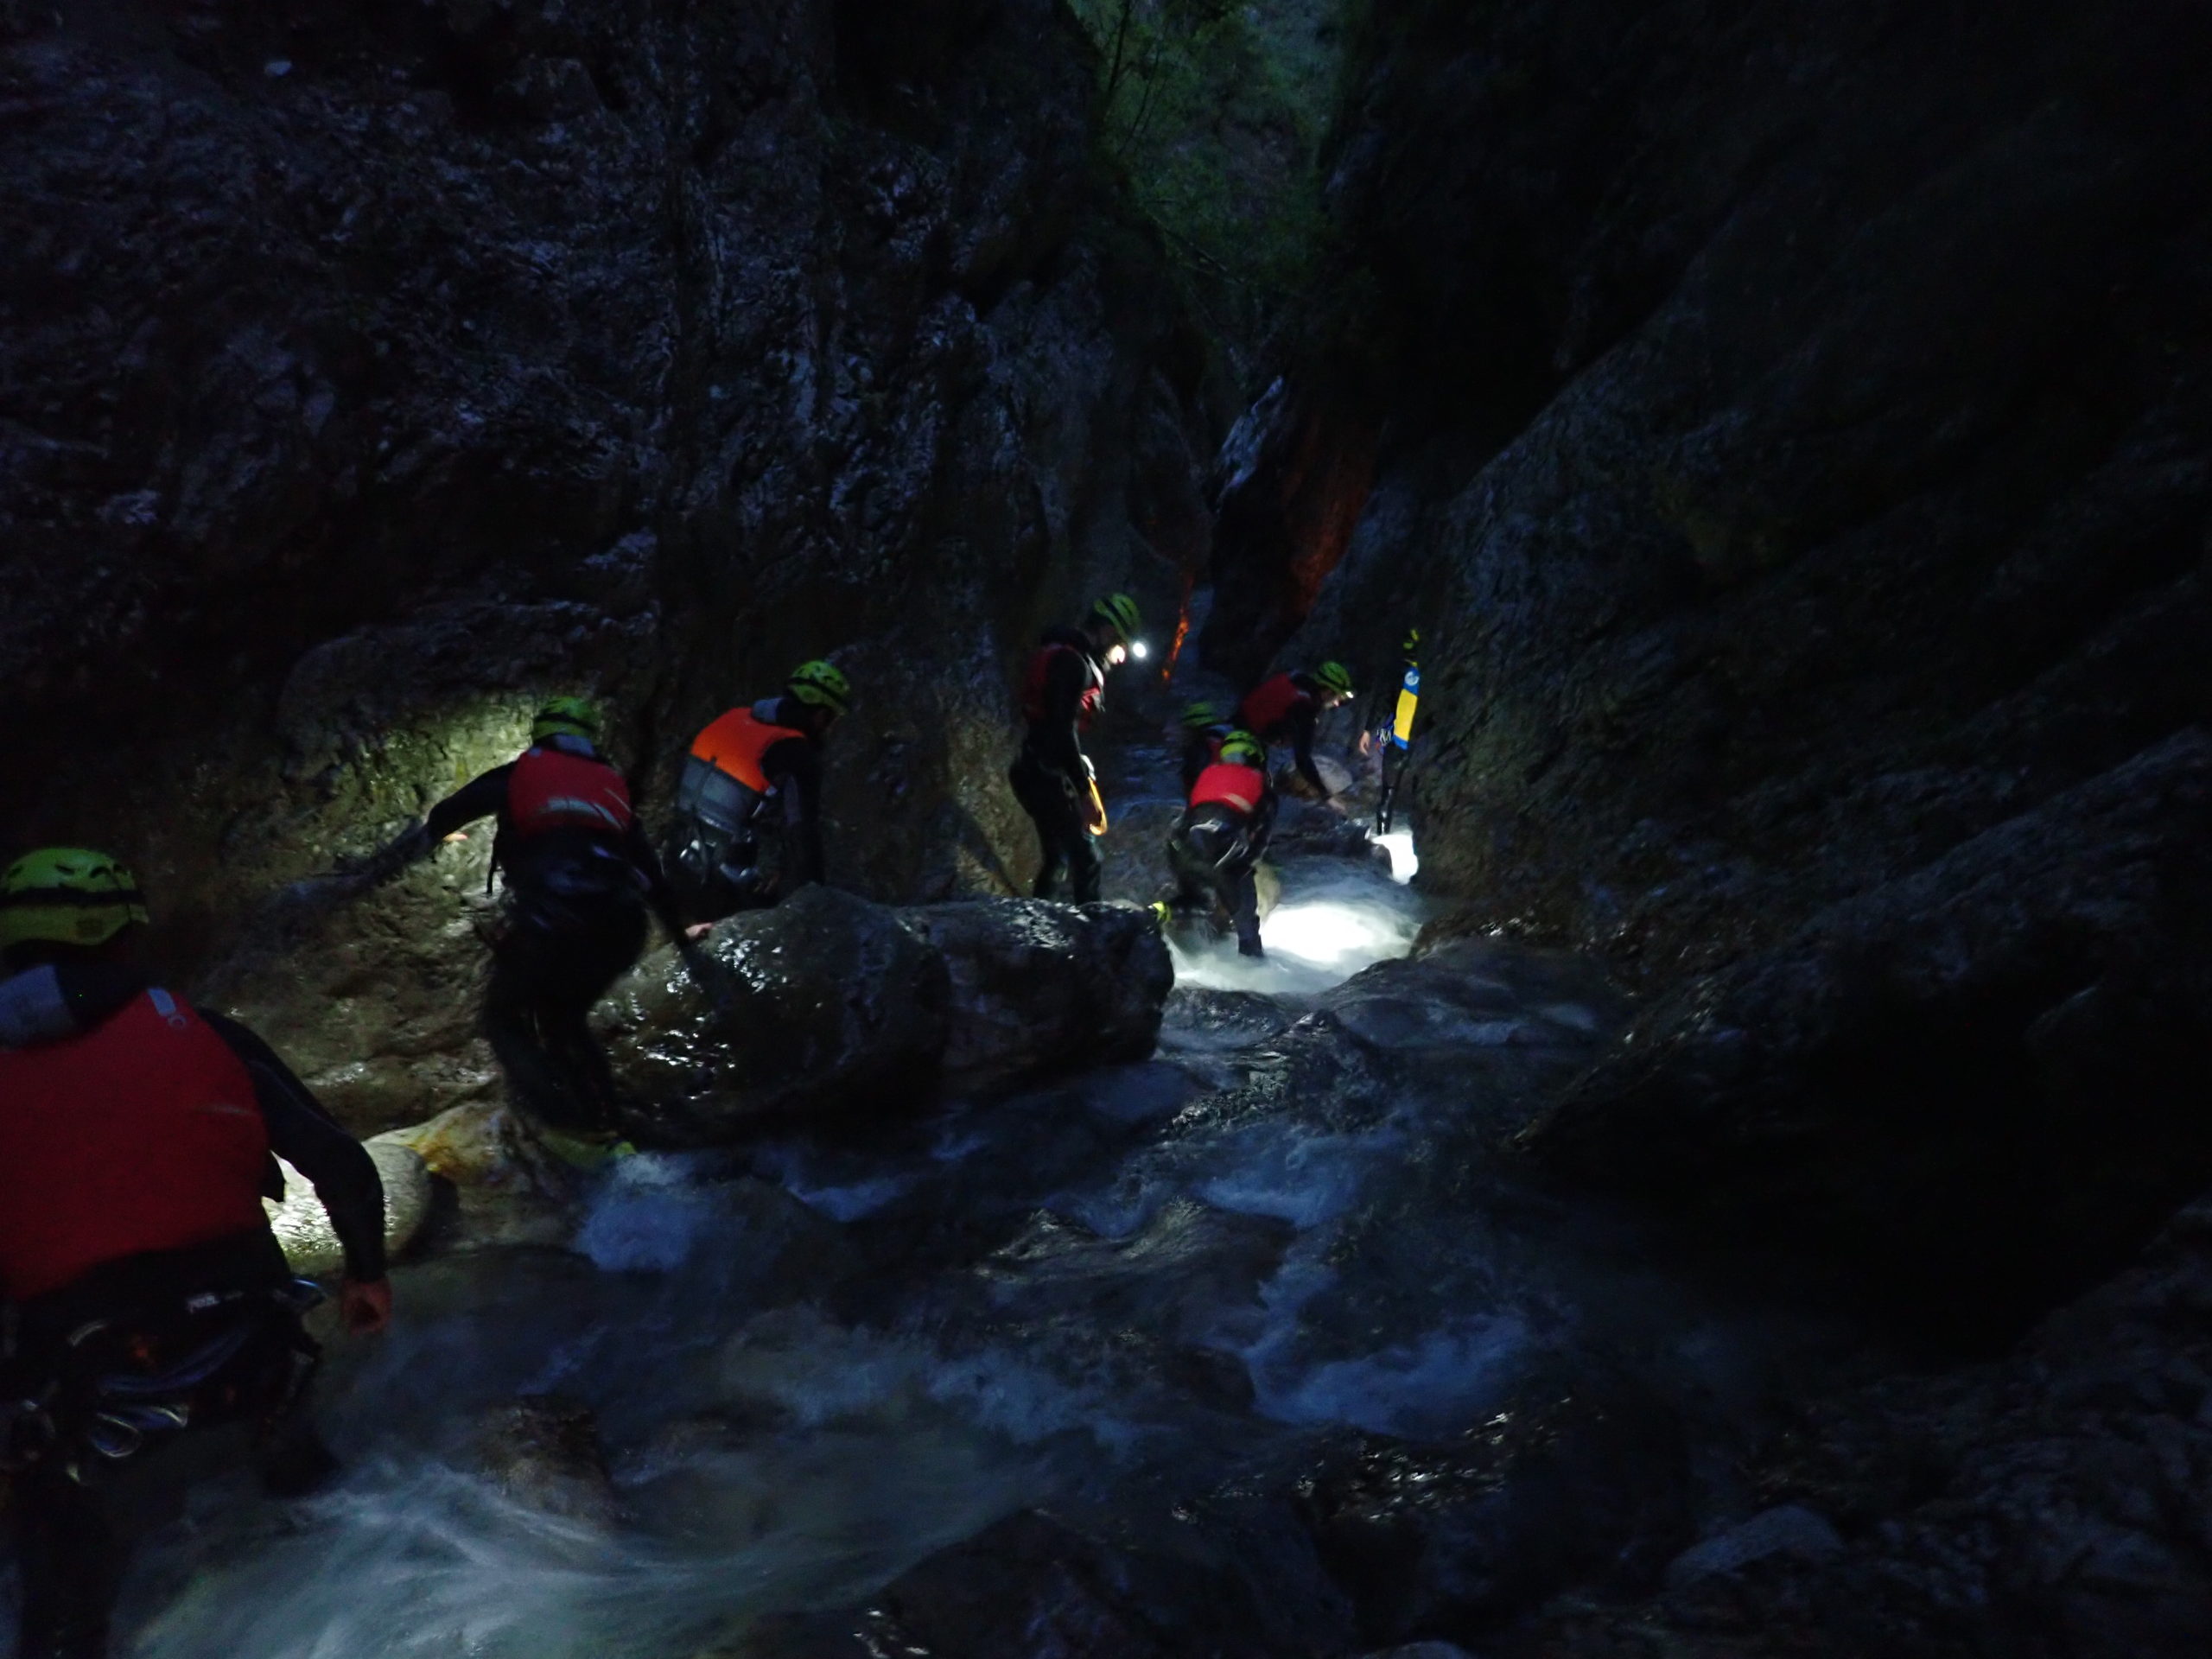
x=831, y=1003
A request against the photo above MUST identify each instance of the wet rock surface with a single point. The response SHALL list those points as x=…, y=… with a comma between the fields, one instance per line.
x=364, y=378
x=1787, y=427
x=2048, y=1505
x=1794, y=459
x=838, y=1006
x=1985, y=1076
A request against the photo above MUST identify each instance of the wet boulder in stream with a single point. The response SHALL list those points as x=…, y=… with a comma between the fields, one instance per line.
x=836, y=1004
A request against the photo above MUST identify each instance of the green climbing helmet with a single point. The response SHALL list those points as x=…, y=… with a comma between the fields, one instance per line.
x=68, y=895
x=565, y=717
x=1119, y=612
x=1197, y=716
x=1411, y=647
x=822, y=685
x=1334, y=676
x=1243, y=749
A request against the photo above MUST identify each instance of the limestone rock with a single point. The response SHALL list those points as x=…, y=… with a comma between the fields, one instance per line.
x=544, y=1452
x=836, y=1004
x=1563, y=1486
x=1037, y=986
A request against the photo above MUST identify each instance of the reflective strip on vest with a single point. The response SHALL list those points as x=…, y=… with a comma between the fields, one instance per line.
x=1402, y=727
x=141, y=1135
x=549, y=790
x=735, y=744
x=1226, y=785
x=1268, y=707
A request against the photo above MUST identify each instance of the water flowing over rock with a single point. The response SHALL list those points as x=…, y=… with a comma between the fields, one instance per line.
x=839, y=1005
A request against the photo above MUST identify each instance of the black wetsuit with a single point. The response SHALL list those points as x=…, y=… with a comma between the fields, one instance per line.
x=573, y=921
x=1051, y=776
x=1215, y=853
x=1298, y=724
x=74, y=1533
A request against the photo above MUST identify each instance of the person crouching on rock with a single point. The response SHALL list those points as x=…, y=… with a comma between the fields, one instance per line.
x=1215, y=849
x=743, y=761
x=1055, y=781
x=1205, y=725
x=1288, y=708
x=578, y=874
x=156, y=1331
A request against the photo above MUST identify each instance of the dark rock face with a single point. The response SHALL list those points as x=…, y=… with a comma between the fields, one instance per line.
x=1849, y=497
x=1569, y=1485
x=2050, y=1505
x=840, y=1005
x=1985, y=1078
x=1793, y=434
x=365, y=378
x=1033, y=1584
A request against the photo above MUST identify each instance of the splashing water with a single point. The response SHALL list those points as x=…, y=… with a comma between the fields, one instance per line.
x=1336, y=917
x=1405, y=862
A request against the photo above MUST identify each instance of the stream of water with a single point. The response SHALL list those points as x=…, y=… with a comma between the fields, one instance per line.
x=815, y=1362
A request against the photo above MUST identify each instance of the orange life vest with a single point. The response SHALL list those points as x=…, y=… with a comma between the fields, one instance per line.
x=549, y=790
x=1269, y=706
x=141, y=1135
x=1224, y=784
x=736, y=743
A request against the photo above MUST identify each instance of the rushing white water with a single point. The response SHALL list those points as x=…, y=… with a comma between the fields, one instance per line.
x=1336, y=917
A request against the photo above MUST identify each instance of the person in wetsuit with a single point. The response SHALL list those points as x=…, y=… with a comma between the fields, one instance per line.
x=1217, y=845
x=746, y=760
x=1288, y=708
x=578, y=876
x=153, y=1327
x=1062, y=691
x=1205, y=725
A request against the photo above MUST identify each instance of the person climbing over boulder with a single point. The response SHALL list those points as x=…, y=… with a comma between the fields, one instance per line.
x=578, y=876
x=1287, y=708
x=1055, y=781
x=1204, y=724
x=155, y=1328
x=1217, y=845
x=746, y=760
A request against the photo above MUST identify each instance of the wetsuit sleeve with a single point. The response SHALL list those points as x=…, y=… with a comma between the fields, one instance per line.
x=1263, y=822
x=637, y=848
x=1303, y=720
x=795, y=765
x=479, y=797
x=339, y=1167
x=1058, y=739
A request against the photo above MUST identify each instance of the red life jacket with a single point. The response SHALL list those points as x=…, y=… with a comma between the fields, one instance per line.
x=735, y=744
x=1224, y=784
x=1268, y=707
x=549, y=790
x=143, y=1135
x=1041, y=670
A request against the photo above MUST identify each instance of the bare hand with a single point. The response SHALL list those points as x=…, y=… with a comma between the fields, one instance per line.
x=366, y=1309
